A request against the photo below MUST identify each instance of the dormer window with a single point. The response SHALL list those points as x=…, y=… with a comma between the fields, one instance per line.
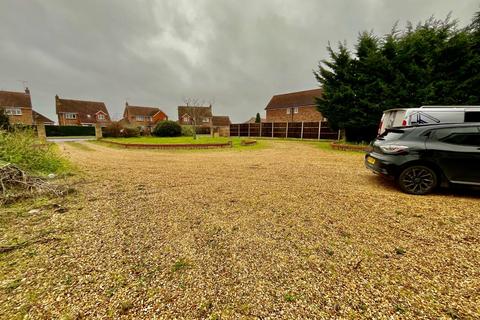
x=101, y=117
x=70, y=115
x=186, y=118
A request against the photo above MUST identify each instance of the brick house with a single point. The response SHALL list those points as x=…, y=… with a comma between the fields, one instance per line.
x=200, y=116
x=18, y=106
x=40, y=118
x=81, y=113
x=143, y=117
x=294, y=107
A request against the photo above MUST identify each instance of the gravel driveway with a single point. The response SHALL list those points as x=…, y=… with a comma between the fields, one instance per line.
x=287, y=232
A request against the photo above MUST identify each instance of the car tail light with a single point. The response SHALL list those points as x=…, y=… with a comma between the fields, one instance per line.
x=394, y=149
x=404, y=123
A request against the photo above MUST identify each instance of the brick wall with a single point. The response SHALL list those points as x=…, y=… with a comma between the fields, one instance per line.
x=307, y=114
x=25, y=118
x=67, y=122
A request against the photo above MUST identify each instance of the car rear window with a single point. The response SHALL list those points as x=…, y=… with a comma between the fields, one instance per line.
x=391, y=134
x=472, y=116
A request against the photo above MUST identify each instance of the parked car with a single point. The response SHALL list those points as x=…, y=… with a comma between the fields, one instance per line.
x=420, y=158
x=403, y=117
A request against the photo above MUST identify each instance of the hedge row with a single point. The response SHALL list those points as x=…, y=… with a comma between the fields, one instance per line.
x=65, y=131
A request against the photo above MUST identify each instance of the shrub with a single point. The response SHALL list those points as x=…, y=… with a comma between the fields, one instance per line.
x=21, y=147
x=113, y=130
x=4, y=121
x=188, y=131
x=129, y=132
x=167, y=129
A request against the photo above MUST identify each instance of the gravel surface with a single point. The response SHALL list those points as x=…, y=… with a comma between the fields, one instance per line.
x=287, y=232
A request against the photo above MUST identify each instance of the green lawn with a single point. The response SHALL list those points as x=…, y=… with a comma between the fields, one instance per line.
x=201, y=139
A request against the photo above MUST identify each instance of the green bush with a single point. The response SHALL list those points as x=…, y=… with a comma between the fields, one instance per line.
x=167, y=129
x=21, y=147
x=113, y=130
x=65, y=131
x=188, y=131
x=129, y=132
x=4, y=120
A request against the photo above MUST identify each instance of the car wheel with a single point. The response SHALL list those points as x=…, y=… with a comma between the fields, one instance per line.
x=417, y=180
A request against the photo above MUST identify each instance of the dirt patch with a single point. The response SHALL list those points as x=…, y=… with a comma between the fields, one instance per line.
x=291, y=231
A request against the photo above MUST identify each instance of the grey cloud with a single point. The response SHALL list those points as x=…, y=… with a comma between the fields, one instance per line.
x=238, y=53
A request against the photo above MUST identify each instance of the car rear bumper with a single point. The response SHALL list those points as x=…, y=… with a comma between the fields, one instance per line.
x=378, y=164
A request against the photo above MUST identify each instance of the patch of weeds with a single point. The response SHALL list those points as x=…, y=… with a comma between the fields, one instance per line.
x=124, y=307
x=214, y=316
x=400, y=251
x=180, y=265
x=12, y=285
x=452, y=313
x=399, y=309
x=329, y=251
x=288, y=297
x=205, y=308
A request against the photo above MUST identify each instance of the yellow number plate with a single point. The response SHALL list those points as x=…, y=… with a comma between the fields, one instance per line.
x=371, y=160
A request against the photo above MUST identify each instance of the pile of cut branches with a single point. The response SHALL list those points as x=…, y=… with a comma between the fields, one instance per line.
x=16, y=184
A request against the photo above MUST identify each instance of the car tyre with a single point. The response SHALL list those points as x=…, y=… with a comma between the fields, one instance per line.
x=417, y=180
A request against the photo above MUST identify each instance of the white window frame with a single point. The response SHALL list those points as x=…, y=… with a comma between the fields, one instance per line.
x=139, y=118
x=288, y=110
x=13, y=111
x=70, y=116
x=205, y=120
x=295, y=110
x=101, y=117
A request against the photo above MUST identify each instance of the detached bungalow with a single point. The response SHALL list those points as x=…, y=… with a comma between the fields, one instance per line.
x=294, y=107
x=144, y=117
x=81, y=113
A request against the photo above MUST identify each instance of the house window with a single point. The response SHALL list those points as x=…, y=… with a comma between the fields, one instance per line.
x=139, y=118
x=70, y=116
x=13, y=112
x=148, y=118
x=101, y=117
x=205, y=120
x=186, y=119
x=295, y=110
x=288, y=110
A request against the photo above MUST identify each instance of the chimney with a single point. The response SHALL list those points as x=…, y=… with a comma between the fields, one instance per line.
x=56, y=97
x=27, y=91
x=126, y=103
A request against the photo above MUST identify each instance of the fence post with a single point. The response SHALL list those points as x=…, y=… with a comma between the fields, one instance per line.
x=319, y=129
x=273, y=124
x=338, y=138
x=260, y=128
x=301, y=133
x=239, y=130
x=249, y=129
x=286, y=131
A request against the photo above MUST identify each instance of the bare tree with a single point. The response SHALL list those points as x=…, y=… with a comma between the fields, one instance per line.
x=194, y=112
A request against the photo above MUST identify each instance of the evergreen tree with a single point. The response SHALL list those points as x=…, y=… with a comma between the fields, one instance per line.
x=258, y=119
x=433, y=63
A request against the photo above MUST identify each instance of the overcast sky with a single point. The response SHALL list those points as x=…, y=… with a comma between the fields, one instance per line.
x=156, y=53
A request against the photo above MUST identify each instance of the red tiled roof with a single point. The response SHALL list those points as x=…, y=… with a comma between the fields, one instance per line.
x=141, y=111
x=40, y=118
x=294, y=99
x=220, y=121
x=86, y=110
x=15, y=99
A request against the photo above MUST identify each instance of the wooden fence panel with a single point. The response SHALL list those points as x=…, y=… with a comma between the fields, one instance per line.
x=305, y=130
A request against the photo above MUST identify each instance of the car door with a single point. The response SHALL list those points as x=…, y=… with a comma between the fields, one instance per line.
x=456, y=150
